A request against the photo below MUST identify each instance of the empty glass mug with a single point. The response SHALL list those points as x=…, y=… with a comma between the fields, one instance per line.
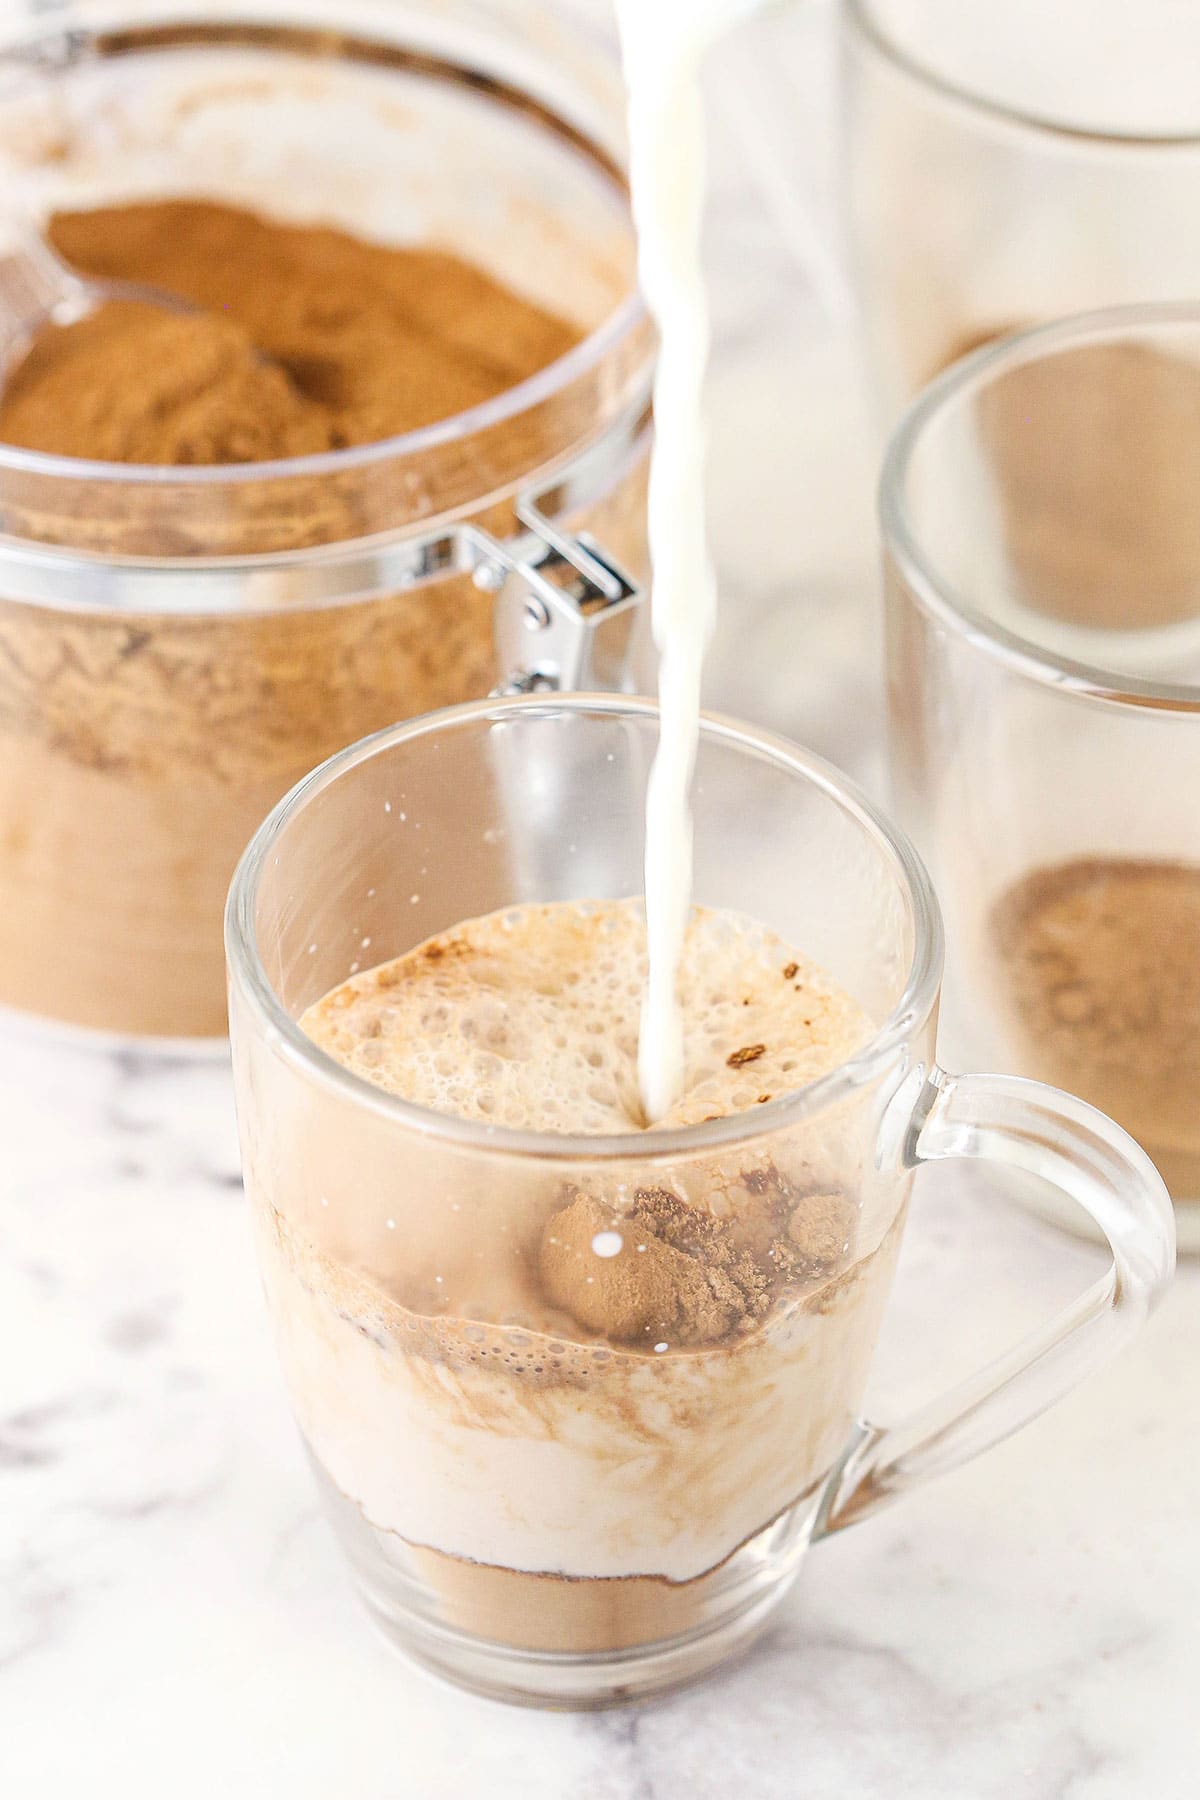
x=1009, y=164
x=1043, y=620
x=563, y=1516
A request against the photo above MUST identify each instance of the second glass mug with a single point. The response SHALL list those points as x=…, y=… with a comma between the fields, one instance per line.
x=1009, y=164
x=1042, y=577
x=553, y=1516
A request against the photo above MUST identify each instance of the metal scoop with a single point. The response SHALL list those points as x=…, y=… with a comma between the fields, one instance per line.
x=38, y=289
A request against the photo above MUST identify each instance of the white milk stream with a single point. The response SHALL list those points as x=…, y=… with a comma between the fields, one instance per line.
x=662, y=44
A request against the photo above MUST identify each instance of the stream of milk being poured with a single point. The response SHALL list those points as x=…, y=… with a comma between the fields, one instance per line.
x=662, y=44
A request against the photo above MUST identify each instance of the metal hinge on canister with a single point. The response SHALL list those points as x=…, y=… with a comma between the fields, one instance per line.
x=565, y=609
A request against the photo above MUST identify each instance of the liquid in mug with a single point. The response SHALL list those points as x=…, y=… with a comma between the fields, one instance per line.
x=564, y=1398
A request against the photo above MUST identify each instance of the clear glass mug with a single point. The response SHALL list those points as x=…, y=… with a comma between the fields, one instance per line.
x=178, y=646
x=1043, y=620
x=556, y=1517
x=1006, y=165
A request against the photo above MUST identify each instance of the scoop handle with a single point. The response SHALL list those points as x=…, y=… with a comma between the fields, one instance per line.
x=35, y=286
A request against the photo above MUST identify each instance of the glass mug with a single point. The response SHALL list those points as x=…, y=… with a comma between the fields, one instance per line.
x=179, y=645
x=1010, y=164
x=554, y=1516
x=1043, y=618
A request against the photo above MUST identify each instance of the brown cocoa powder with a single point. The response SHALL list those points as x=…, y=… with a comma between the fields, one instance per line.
x=306, y=340
x=137, y=383
x=679, y=1275
x=137, y=756
x=1095, y=454
x=684, y=1276
x=1099, y=975
x=139, y=751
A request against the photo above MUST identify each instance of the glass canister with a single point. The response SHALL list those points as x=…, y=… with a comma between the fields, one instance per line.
x=179, y=645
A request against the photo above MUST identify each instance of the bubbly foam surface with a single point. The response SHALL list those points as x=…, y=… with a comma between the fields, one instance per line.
x=528, y=1018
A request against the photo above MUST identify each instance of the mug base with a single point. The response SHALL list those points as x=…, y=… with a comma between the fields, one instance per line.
x=563, y=1643
x=558, y=1681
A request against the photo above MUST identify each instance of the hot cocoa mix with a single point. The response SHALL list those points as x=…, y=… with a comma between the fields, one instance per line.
x=561, y=1396
x=1099, y=975
x=139, y=751
x=305, y=340
x=1095, y=456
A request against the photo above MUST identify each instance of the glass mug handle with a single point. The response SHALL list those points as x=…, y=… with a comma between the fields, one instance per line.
x=1020, y=1124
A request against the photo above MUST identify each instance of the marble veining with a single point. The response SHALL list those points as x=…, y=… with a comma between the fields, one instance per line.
x=1025, y=1626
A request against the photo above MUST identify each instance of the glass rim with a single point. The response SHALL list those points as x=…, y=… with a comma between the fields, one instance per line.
x=863, y=17
x=625, y=319
x=912, y=1008
x=903, y=541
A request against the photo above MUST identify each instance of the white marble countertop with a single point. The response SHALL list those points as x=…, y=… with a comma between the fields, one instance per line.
x=173, y=1614
x=174, y=1617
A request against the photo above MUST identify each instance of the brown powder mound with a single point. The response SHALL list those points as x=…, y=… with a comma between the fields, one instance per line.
x=1098, y=967
x=801, y=1237
x=134, y=383
x=677, y=1277
x=820, y=1230
x=1095, y=454
x=307, y=339
x=682, y=1276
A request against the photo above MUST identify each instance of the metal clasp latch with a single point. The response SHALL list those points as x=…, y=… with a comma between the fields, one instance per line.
x=564, y=608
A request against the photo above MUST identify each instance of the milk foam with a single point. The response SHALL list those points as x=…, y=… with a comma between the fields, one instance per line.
x=529, y=1018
